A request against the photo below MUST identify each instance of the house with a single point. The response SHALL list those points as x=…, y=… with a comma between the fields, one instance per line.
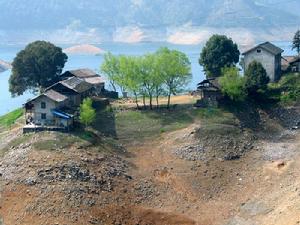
x=268, y=55
x=210, y=92
x=88, y=76
x=74, y=88
x=56, y=108
x=47, y=110
x=290, y=64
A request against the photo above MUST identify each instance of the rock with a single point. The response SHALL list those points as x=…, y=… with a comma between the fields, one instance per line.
x=280, y=164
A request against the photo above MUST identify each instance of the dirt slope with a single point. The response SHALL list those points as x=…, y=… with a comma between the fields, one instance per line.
x=51, y=178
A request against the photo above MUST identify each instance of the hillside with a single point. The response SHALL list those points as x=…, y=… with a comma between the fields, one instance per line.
x=4, y=66
x=84, y=49
x=184, y=167
x=94, y=21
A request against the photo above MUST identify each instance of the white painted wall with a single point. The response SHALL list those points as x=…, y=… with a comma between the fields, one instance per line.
x=267, y=59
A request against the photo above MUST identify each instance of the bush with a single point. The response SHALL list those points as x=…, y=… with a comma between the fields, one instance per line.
x=256, y=78
x=289, y=86
x=87, y=112
x=232, y=84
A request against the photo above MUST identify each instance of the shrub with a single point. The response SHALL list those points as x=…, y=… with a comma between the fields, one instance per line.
x=256, y=78
x=232, y=84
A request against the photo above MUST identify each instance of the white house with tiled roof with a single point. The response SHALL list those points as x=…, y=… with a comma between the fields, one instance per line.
x=269, y=56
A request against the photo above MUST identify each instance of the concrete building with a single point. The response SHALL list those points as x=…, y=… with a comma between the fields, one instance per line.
x=268, y=55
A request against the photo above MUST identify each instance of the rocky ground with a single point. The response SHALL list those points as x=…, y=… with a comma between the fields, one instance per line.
x=195, y=175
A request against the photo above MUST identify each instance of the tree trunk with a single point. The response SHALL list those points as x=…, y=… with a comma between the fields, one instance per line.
x=144, y=101
x=150, y=96
x=169, y=100
x=157, y=105
x=136, y=101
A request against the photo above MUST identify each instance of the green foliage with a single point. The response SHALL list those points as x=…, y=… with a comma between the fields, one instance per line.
x=296, y=42
x=165, y=71
x=175, y=69
x=10, y=118
x=36, y=67
x=256, y=78
x=110, y=68
x=219, y=52
x=87, y=112
x=289, y=85
x=232, y=84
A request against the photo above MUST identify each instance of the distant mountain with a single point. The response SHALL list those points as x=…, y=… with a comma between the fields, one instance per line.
x=84, y=49
x=4, y=66
x=81, y=21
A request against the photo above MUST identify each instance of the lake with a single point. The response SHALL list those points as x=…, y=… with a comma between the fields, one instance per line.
x=7, y=53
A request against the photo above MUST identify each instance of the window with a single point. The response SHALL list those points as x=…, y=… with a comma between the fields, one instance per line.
x=43, y=116
x=43, y=105
x=258, y=50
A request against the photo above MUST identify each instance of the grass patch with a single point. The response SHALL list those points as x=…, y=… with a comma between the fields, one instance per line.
x=10, y=118
x=15, y=142
x=131, y=125
x=135, y=125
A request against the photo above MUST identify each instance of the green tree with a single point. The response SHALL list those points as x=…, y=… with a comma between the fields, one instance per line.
x=130, y=76
x=175, y=69
x=87, y=112
x=233, y=84
x=110, y=67
x=36, y=67
x=219, y=52
x=296, y=42
x=256, y=78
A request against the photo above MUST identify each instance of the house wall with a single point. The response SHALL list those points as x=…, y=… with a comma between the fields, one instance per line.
x=271, y=63
x=37, y=111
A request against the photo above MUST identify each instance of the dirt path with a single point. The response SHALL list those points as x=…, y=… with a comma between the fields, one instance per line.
x=259, y=188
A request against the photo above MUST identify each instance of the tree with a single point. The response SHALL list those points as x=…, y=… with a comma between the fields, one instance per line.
x=296, y=42
x=87, y=112
x=256, y=78
x=130, y=76
x=232, y=84
x=110, y=67
x=175, y=69
x=36, y=67
x=219, y=52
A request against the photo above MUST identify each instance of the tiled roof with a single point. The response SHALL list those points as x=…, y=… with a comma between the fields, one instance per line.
x=213, y=84
x=268, y=47
x=51, y=94
x=83, y=73
x=76, y=84
x=95, y=80
x=55, y=96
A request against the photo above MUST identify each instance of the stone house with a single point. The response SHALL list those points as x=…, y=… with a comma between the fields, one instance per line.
x=269, y=56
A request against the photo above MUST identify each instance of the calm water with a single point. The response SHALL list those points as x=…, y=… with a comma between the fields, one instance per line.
x=7, y=53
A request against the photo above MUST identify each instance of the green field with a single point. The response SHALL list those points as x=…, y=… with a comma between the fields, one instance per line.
x=10, y=118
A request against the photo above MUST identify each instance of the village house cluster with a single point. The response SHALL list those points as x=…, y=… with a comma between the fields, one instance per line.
x=57, y=106
x=268, y=54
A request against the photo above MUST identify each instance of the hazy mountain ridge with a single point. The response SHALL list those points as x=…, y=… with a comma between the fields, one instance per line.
x=135, y=20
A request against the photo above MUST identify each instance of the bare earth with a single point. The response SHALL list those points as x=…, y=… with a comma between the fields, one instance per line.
x=151, y=185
